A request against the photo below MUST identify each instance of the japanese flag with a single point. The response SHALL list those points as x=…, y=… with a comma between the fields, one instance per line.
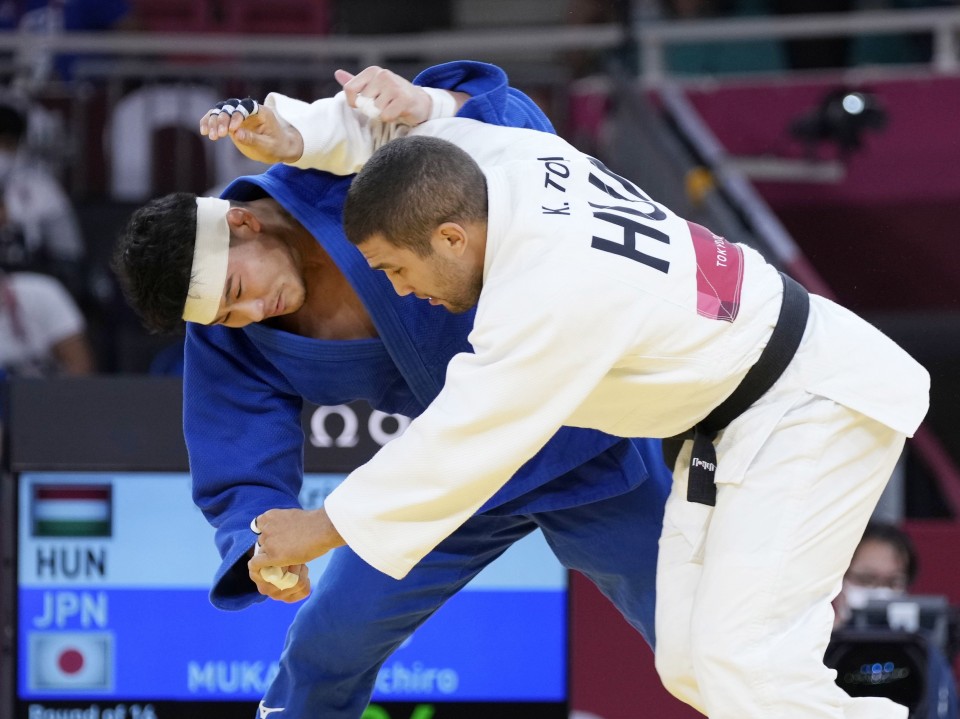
x=60, y=661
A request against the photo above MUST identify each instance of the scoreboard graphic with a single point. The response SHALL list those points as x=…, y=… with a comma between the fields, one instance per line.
x=114, y=572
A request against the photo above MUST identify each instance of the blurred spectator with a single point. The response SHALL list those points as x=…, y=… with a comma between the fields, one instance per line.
x=39, y=230
x=883, y=568
x=42, y=332
x=50, y=17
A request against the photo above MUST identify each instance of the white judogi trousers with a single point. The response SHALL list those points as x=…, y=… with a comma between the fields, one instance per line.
x=744, y=589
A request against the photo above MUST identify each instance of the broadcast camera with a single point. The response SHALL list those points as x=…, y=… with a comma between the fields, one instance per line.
x=901, y=649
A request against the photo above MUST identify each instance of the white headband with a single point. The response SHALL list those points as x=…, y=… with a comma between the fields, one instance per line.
x=209, y=271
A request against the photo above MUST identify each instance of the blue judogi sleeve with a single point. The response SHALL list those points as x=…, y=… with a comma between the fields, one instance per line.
x=241, y=416
x=242, y=428
x=492, y=100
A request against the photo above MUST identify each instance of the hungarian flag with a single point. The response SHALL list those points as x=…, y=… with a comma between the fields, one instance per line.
x=71, y=510
x=70, y=661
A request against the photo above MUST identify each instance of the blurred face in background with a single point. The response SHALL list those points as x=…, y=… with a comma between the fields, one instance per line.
x=879, y=570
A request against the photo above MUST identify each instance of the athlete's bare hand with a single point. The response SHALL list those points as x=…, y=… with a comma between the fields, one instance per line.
x=257, y=131
x=398, y=100
x=291, y=537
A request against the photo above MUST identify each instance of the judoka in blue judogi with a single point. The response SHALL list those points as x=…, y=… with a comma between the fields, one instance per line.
x=597, y=499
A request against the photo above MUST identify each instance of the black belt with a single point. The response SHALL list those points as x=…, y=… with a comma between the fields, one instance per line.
x=774, y=359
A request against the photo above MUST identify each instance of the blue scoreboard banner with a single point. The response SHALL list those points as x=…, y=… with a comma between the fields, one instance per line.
x=114, y=620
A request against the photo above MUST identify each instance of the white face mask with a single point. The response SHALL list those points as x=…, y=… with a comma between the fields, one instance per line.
x=858, y=597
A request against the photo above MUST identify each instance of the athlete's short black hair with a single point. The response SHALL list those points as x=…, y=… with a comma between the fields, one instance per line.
x=411, y=186
x=153, y=259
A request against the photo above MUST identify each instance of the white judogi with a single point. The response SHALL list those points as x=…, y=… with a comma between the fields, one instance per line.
x=603, y=309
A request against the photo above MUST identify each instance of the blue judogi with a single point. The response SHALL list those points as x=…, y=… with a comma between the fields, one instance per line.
x=598, y=499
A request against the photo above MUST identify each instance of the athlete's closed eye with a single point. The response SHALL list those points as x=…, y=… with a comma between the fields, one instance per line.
x=389, y=269
x=227, y=294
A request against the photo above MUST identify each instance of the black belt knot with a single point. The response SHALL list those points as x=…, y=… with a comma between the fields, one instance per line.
x=774, y=359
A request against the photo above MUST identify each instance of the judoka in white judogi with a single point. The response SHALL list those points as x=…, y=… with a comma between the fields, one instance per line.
x=601, y=308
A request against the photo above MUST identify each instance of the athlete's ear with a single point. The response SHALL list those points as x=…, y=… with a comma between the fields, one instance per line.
x=451, y=238
x=238, y=217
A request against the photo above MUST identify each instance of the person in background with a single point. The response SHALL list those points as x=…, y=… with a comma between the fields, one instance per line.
x=39, y=230
x=42, y=331
x=884, y=566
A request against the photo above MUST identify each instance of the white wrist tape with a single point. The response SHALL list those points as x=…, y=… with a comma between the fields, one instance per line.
x=277, y=576
x=442, y=103
x=368, y=106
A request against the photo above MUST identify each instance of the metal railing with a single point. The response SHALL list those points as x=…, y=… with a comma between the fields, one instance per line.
x=653, y=37
x=942, y=24
x=360, y=49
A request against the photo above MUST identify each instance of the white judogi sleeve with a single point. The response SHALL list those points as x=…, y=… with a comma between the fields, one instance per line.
x=336, y=137
x=498, y=407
